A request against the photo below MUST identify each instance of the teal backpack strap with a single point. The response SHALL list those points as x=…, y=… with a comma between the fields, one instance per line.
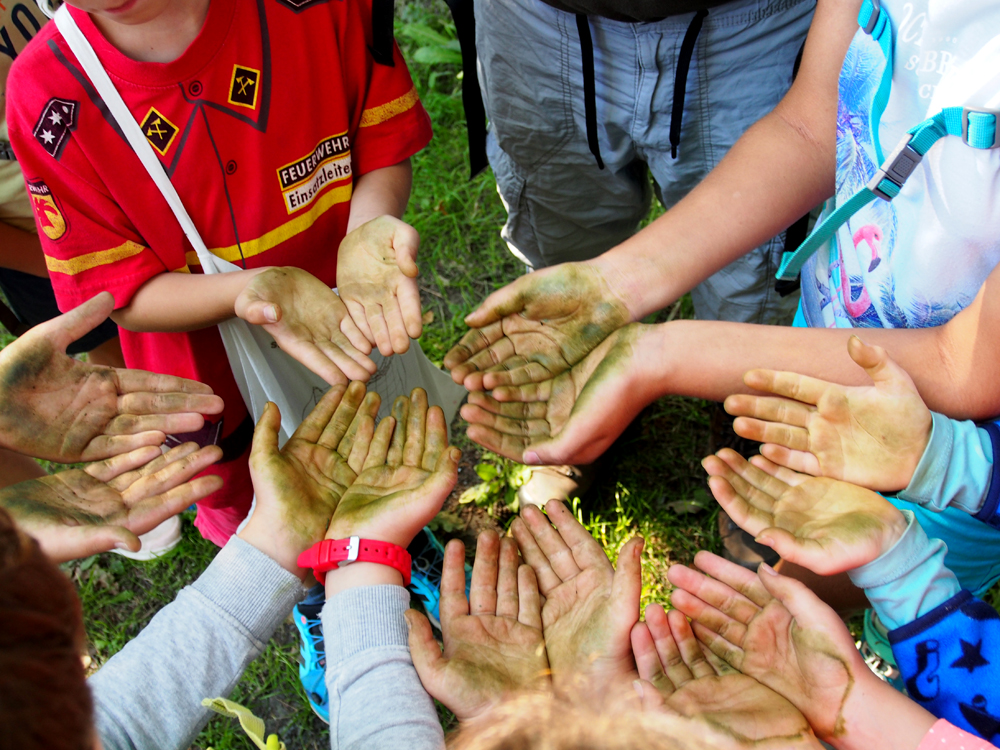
x=875, y=22
x=978, y=128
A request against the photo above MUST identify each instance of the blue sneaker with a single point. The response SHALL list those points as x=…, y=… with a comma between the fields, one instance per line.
x=425, y=577
x=312, y=651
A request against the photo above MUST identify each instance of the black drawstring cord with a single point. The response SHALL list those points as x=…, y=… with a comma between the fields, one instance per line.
x=589, y=86
x=680, y=79
x=475, y=113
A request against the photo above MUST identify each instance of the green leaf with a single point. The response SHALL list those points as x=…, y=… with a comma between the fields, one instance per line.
x=437, y=56
x=474, y=494
x=487, y=472
x=446, y=522
x=425, y=35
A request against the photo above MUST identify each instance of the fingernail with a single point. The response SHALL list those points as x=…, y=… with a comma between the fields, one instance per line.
x=122, y=545
x=531, y=458
x=271, y=313
x=767, y=569
x=638, y=687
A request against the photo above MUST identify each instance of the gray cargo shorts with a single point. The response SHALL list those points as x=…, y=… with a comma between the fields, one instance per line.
x=560, y=205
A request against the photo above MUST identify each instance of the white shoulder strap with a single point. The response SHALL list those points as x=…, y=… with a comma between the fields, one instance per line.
x=92, y=67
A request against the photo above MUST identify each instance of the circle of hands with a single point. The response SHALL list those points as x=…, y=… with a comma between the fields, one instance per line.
x=762, y=659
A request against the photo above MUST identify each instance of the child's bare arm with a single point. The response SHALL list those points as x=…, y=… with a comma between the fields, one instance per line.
x=777, y=171
x=21, y=251
x=208, y=299
x=953, y=367
x=306, y=318
x=376, y=262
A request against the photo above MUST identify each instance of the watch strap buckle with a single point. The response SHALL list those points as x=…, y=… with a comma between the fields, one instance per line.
x=353, y=545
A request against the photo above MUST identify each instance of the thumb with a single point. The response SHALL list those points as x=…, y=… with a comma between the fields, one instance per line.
x=256, y=310
x=877, y=363
x=795, y=596
x=406, y=243
x=786, y=544
x=84, y=541
x=447, y=465
x=568, y=446
x=626, y=586
x=443, y=480
x=68, y=327
x=265, y=434
x=425, y=651
x=651, y=698
x=503, y=302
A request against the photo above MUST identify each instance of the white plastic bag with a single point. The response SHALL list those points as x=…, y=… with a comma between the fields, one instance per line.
x=262, y=371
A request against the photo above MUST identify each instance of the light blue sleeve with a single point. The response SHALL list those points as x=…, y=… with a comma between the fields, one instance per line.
x=955, y=470
x=376, y=699
x=910, y=579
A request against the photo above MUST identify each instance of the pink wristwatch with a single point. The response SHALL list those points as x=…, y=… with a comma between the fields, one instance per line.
x=334, y=553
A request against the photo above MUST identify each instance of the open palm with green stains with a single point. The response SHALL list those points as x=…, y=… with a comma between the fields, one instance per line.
x=821, y=524
x=776, y=630
x=83, y=512
x=408, y=473
x=536, y=328
x=571, y=418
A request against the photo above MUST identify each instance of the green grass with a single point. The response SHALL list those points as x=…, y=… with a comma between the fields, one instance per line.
x=645, y=482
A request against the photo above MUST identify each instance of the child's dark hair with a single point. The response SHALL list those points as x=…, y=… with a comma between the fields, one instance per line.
x=44, y=698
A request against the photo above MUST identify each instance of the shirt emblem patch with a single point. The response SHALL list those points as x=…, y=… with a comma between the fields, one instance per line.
x=47, y=212
x=302, y=180
x=243, y=87
x=57, y=121
x=159, y=131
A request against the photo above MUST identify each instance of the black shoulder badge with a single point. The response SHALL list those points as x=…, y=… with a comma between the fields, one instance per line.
x=57, y=121
x=300, y=5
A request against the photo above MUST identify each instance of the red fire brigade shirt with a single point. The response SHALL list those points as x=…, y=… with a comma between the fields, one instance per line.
x=261, y=125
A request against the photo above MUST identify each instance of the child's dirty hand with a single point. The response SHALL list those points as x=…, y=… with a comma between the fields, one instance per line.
x=678, y=676
x=819, y=523
x=493, y=646
x=575, y=416
x=872, y=435
x=590, y=606
x=298, y=487
x=776, y=630
x=536, y=328
x=405, y=479
x=308, y=321
x=377, y=279
x=56, y=407
x=108, y=504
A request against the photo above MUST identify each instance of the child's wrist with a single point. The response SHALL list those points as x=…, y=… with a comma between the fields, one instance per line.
x=265, y=540
x=652, y=369
x=358, y=574
x=894, y=529
x=623, y=286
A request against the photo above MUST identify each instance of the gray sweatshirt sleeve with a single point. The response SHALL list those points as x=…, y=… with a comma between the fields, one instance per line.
x=148, y=695
x=376, y=699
